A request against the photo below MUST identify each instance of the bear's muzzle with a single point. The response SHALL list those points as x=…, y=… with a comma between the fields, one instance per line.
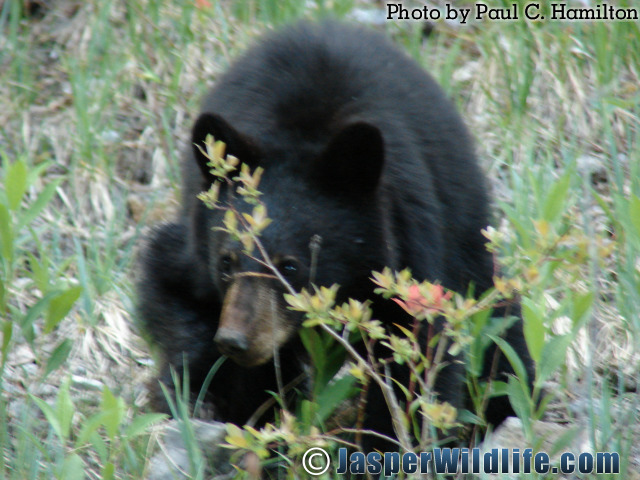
x=254, y=322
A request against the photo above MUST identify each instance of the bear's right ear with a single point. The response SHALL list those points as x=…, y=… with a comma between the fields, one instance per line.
x=238, y=145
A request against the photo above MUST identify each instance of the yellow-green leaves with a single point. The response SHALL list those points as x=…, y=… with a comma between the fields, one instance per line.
x=220, y=165
x=248, y=183
x=15, y=183
x=258, y=219
x=441, y=415
x=60, y=305
x=61, y=414
x=241, y=226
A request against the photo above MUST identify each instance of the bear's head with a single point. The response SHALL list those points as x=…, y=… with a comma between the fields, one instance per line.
x=328, y=189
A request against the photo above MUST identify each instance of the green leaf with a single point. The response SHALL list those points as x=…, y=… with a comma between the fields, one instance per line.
x=556, y=199
x=34, y=312
x=15, y=183
x=7, y=334
x=467, y=417
x=514, y=359
x=108, y=472
x=73, y=468
x=534, y=329
x=520, y=401
x=553, y=356
x=36, y=207
x=604, y=204
x=480, y=329
x=6, y=234
x=58, y=357
x=50, y=415
x=307, y=413
x=114, y=409
x=142, y=423
x=581, y=309
x=99, y=446
x=230, y=221
x=3, y=299
x=524, y=231
x=634, y=213
x=36, y=171
x=335, y=357
x=39, y=271
x=313, y=344
x=543, y=403
x=89, y=427
x=60, y=417
x=498, y=388
x=405, y=391
x=60, y=305
x=205, y=384
x=333, y=395
x=65, y=408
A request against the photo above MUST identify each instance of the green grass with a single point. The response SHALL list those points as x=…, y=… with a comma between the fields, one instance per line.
x=96, y=100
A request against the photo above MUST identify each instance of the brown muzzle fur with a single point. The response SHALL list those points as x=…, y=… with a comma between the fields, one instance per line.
x=254, y=322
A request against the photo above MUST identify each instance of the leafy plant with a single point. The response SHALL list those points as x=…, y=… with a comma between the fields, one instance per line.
x=105, y=432
x=330, y=331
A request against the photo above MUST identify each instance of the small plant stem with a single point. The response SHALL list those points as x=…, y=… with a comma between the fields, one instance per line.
x=387, y=390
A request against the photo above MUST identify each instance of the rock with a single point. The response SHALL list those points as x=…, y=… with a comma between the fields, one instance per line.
x=172, y=462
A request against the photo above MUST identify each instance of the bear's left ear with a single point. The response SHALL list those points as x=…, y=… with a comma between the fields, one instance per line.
x=352, y=162
x=238, y=145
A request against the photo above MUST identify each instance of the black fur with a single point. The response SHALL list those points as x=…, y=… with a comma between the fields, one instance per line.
x=360, y=146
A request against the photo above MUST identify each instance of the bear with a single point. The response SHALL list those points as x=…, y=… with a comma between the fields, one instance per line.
x=359, y=147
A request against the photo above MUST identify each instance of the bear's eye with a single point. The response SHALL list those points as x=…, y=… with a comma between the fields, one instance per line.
x=225, y=265
x=288, y=267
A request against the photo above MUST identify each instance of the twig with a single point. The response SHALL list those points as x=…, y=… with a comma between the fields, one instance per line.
x=314, y=246
x=387, y=390
x=276, y=351
x=373, y=434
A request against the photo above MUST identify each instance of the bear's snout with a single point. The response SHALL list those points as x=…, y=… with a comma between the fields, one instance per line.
x=231, y=343
x=254, y=322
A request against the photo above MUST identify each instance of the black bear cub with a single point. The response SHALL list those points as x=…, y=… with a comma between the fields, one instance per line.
x=360, y=146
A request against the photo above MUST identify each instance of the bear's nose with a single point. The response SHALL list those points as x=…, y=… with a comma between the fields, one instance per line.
x=231, y=343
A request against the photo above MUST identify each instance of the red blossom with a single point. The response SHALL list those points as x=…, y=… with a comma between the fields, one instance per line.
x=417, y=303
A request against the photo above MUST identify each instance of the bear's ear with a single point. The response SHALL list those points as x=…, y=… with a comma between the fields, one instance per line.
x=238, y=145
x=352, y=162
